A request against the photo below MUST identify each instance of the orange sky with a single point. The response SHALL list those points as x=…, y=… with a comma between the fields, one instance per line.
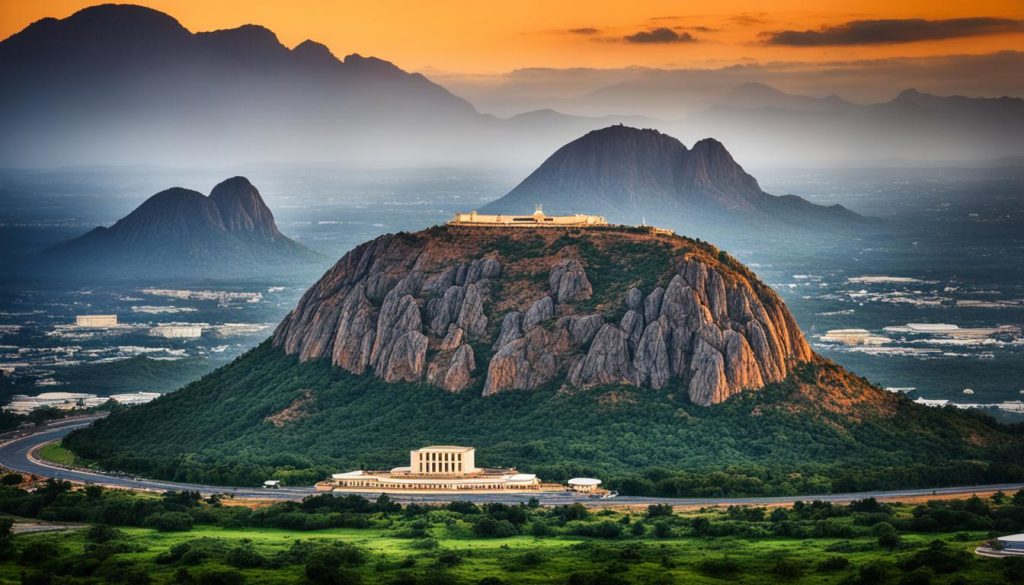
x=490, y=37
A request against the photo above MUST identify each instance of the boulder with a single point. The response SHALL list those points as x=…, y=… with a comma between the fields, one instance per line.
x=633, y=324
x=607, y=361
x=650, y=360
x=568, y=281
x=511, y=328
x=541, y=310
x=634, y=299
x=471, y=315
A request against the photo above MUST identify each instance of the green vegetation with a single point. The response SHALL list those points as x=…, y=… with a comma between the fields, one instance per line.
x=339, y=540
x=133, y=374
x=639, y=441
x=56, y=453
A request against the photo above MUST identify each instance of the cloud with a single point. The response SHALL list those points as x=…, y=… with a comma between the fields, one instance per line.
x=586, y=30
x=659, y=36
x=878, y=32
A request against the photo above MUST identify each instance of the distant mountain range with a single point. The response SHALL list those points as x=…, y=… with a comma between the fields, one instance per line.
x=631, y=175
x=180, y=233
x=123, y=84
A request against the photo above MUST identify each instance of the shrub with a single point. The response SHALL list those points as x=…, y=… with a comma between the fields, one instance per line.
x=659, y=510
x=873, y=573
x=833, y=564
x=722, y=567
x=11, y=479
x=788, y=569
x=662, y=530
x=919, y=576
x=491, y=528
x=102, y=533
x=220, y=577
x=244, y=556
x=171, y=522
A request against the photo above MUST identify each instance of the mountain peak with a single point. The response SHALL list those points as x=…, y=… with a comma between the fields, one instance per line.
x=311, y=52
x=630, y=175
x=242, y=209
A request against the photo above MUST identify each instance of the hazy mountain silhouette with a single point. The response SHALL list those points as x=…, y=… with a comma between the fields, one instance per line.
x=123, y=84
x=180, y=233
x=629, y=175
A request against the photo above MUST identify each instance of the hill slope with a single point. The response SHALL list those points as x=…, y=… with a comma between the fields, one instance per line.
x=629, y=175
x=408, y=341
x=185, y=234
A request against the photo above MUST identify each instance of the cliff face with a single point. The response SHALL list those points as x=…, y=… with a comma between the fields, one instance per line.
x=517, y=309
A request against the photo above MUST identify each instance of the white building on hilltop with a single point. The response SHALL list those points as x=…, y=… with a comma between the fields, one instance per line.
x=96, y=321
x=537, y=219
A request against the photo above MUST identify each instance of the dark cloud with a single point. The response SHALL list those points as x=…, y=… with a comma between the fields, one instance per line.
x=659, y=35
x=747, y=19
x=586, y=30
x=878, y=32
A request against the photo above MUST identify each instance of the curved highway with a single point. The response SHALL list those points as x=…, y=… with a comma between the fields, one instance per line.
x=17, y=454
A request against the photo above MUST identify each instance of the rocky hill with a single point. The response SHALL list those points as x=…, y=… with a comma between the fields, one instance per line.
x=648, y=360
x=431, y=306
x=180, y=233
x=629, y=175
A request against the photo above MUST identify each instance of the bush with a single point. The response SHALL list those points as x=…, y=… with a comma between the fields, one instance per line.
x=662, y=530
x=659, y=510
x=490, y=528
x=873, y=573
x=244, y=556
x=102, y=533
x=11, y=479
x=220, y=577
x=171, y=522
x=833, y=564
x=788, y=569
x=919, y=576
x=722, y=567
x=938, y=557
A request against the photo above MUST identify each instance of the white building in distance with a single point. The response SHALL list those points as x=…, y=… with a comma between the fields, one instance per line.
x=177, y=331
x=437, y=469
x=96, y=321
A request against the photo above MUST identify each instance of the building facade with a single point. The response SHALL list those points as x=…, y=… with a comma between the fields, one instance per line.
x=537, y=219
x=438, y=468
x=96, y=321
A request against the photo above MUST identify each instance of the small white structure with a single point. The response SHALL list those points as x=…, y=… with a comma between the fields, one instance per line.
x=1011, y=545
x=177, y=331
x=96, y=321
x=272, y=484
x=586, y=485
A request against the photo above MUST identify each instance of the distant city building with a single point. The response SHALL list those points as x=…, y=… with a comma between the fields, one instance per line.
x=23, y=404
x=96, y=321
x=537, y=219
x=438, y=468
x=134, y=398
x=177, y=331
x=854, y=337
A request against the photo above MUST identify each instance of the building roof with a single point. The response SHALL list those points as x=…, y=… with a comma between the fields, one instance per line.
x=522, y=477
x=355, y=473
x=445, y=448
x=583, y=481
x=1011, y=538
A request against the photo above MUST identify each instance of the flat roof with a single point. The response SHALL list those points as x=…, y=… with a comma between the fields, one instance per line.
x=522, y=477
x=1012, y=538
x=584, y=481
x=445, y=448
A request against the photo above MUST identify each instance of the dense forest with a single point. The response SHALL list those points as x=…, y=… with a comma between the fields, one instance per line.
x=223, y=430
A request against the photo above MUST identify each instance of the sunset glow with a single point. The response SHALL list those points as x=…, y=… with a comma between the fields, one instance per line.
x=482, y=37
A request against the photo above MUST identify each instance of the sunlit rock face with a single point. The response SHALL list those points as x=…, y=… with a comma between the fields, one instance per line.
x=494, y=310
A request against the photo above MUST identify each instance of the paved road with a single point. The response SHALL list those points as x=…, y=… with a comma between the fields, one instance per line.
x=16, y=454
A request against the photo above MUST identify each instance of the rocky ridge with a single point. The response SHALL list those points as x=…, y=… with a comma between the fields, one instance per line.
x=456, y=307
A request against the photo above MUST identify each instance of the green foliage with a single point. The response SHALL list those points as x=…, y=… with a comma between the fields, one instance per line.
x=653, y=443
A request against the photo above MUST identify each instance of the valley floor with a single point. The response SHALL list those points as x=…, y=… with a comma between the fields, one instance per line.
x=446, y=550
